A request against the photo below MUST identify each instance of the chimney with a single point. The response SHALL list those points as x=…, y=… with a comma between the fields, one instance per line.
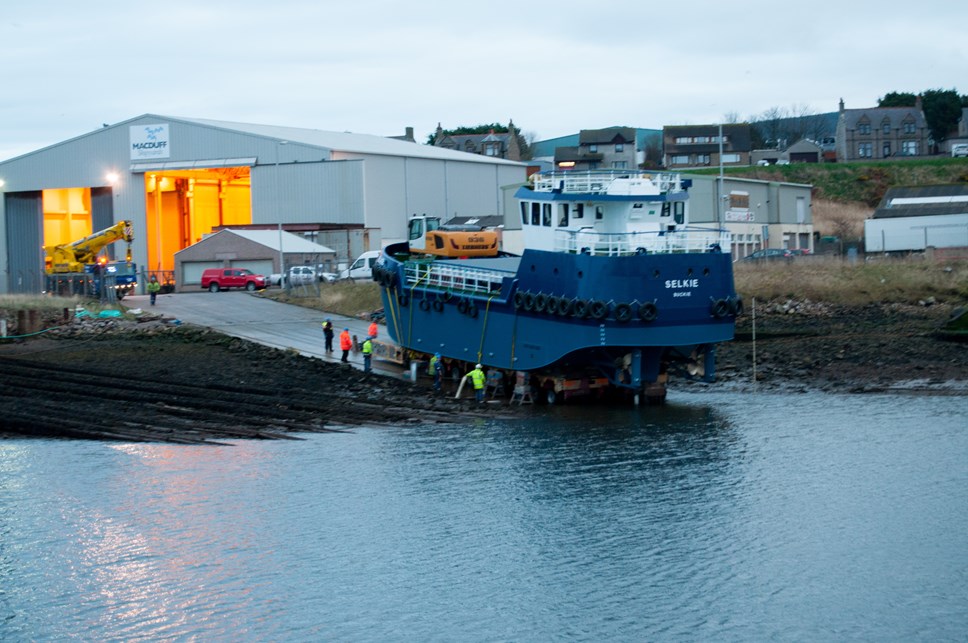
x=410, y=134
x=841, y=105
x=917, y=103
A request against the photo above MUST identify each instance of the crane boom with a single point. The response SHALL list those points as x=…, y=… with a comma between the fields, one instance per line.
x=72, y=257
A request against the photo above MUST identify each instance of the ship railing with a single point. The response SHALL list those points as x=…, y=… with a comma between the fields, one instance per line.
x=454, y=278
x=599, y=181
x=689, y=239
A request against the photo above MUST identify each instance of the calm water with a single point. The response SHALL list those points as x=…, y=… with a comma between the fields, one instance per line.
x=726, y=517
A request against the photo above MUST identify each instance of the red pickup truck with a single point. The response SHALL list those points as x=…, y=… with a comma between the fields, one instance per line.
x=216, y=279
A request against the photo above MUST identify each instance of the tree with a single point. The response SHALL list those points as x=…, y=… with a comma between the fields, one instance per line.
x=653, y=152
x=897, y=99
x=942, y=109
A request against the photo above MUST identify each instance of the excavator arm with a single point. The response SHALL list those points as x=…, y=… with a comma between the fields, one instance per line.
x=72, y=257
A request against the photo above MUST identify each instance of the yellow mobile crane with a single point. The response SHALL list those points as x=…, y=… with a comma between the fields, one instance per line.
x=79, y=259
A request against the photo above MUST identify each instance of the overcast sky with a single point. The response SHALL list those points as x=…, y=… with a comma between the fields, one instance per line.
x=376, y=67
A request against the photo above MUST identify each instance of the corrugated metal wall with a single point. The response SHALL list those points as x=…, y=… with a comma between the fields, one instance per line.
x=330, y=191
x=24, y=229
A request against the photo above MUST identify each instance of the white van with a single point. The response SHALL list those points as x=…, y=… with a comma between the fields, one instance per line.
x=362, y=268
x=959, y=149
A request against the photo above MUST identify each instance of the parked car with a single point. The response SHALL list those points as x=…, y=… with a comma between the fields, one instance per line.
x=328, y=277
x=800, y=252
x=216, y=279
x=769, y=254
x=301, y=276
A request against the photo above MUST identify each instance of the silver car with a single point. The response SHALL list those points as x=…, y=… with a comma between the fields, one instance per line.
x=301, y=276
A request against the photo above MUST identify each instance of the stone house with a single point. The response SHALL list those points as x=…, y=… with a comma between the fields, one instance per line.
x=501, y=145
x=882, y=132
x=611, y=148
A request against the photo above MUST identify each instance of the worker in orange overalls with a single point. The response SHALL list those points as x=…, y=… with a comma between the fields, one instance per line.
x=371, y=331
x=345, y=344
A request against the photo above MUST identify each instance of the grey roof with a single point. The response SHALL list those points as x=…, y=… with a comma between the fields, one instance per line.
x=291, y=243
x=877, y=115
x=349, y=141
x=937, y=199
x=607, y=135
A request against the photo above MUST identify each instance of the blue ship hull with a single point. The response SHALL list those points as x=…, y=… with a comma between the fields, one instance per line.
x=628, y=316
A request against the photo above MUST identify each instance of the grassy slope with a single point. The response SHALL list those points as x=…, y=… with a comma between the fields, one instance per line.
x=863, y=183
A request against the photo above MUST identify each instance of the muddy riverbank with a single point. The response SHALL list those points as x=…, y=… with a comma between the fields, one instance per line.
x=154, y=380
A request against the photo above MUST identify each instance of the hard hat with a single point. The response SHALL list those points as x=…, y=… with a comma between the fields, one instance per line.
x=478, y=366
x=346, y=329
x=437, y=355
x=328, y=319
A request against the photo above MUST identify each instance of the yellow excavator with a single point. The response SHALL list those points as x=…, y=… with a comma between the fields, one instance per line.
x=428, y=236
x=81, y=258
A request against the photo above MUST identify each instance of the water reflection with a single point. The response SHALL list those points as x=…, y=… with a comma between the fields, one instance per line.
x=707, y=518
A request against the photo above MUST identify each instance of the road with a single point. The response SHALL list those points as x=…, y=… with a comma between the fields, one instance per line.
x=264, y=321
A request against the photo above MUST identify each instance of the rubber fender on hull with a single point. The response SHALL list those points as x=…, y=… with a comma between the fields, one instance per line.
x=528, y=304
x=552, y=306
x=519, y=300
x=438, y=306
x=648, y=311
x=598, y=309
x=736, y=306
x=540, y=302
x=720, y=308
x=579, y=308
x=462, y=306
x=403, y=300
x=623, y=312
x=377, y=275
x=565, y=306
x=424, y=305
x=472, y=310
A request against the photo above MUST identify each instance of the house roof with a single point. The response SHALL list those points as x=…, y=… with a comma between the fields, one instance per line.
x=607, y=135
x=930, y=200
x=877, y=115
x=291, y=243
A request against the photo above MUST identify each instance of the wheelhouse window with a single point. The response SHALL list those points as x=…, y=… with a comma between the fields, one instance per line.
x=524, y=212
x=546, y=215
x=535, y=214
x=563, y=215
x=578, y=211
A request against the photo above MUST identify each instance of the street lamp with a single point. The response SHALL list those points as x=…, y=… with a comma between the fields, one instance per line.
x=282, y=268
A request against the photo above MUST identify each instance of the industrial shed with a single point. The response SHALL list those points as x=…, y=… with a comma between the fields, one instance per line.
x=914, y=219
x=178, y=179
x=257, y=250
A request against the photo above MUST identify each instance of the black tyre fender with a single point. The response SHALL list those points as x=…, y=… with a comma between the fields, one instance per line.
x=424, y=305
x=552, y=306
x=540, y=302
x=648, y=311
x=438, y=306
x=720, y=308
x=565, y=306
x=472, y=310
x=736, y=306
x=579, y=308
x=403, y=299
x=623, y=312
x=528, y=304
x=598, y=309
x=390, y=278
x=448, y=295
x=519, y=299
x=378, y=275
x=462, y=306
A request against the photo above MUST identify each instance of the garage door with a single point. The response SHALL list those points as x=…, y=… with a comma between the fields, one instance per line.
x=192, y=271
x=258, y=266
